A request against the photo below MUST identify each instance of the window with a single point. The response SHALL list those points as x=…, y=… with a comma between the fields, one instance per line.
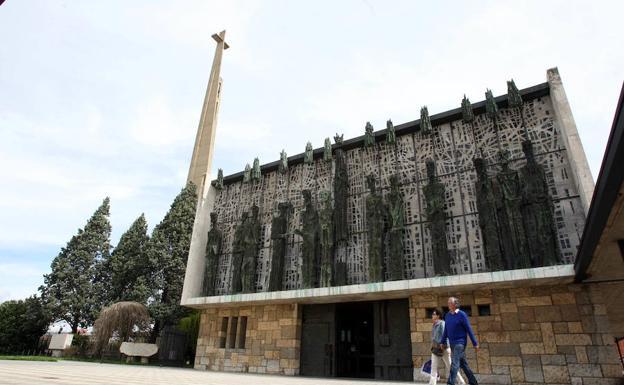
x=484, y=310
x=223, y=332
x=242, y=333
x=232, y=334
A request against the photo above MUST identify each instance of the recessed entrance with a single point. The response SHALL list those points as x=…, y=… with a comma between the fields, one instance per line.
x=357, y=340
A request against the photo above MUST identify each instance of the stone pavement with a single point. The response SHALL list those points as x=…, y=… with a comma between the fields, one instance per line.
x=83, y=373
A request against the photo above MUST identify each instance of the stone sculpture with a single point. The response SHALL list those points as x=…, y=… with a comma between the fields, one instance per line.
x=390, y=132
x=514, y=99
x=425, y=121
x=283, y=164
x=252, y=237
x=256, y=175
x=327, y=150
x=308, y=157
x=396, y=215
x=310, y=246
x=538, y=212
x=238, y=250
x=218, y=183
x=341, y=190
x=467, y=112
x=247, y=174
x=369, y=137
x=213, y=252
x=326, y=236
x=511, y=227
x=491, y=108
x=435, y=193
x=279, y=229
x=375, y=215
x=488, y=217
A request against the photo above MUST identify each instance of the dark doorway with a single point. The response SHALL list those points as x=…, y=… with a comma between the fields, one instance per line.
x=317, y=340
x=355, y=341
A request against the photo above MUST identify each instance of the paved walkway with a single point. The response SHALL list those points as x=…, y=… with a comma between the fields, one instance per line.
x=82, y=373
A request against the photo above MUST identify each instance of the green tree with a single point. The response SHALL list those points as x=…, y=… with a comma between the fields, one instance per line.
x=168, y=252
x=73, y=290
x=22, y=323
x=129, y=266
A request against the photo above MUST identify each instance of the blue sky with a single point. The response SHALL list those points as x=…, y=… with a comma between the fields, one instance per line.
x=103, y=98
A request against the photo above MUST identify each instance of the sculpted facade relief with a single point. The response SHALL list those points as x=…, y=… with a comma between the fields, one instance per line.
x=377, y=210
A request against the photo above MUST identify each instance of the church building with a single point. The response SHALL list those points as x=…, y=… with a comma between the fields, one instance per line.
x=329, y=262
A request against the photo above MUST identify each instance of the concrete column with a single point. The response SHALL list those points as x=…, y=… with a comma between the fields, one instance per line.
x=579, y=167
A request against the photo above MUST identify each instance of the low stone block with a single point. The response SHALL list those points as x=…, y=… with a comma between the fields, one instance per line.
x=136, y=349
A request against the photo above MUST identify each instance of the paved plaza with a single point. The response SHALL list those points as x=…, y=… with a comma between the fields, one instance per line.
x=81, y=373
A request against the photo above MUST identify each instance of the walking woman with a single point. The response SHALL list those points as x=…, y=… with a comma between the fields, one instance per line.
x=437, y=353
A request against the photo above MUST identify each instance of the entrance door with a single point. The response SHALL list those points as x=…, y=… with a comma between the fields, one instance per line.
x=393, y=346
x=355, y=341
x=317, y=341
x=358, y=340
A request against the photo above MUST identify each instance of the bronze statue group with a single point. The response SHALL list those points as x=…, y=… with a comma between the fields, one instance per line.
x=516, y=218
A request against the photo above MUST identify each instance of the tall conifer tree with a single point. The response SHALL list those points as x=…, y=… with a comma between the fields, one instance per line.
x=129, y=266
x=168, y=252
x=70, y=290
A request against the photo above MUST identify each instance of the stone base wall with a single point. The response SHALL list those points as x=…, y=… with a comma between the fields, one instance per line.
x=272, y=340
x=543, y=334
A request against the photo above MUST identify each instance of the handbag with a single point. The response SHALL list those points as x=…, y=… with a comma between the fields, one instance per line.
x=437, y=350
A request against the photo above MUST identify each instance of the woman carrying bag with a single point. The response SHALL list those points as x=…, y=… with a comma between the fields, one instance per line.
x=438, y=354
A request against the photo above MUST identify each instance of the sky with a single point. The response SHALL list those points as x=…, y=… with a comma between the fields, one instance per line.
x=103, y=98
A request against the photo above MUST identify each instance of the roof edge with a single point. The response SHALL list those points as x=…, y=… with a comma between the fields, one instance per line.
x=606, y=191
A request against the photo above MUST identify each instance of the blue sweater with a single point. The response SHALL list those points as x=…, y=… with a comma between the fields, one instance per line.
x=457, y=326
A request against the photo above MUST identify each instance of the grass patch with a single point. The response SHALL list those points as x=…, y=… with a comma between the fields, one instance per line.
x=29, y=358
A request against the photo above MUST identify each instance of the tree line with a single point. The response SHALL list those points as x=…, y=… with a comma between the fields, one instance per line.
x=89, y=274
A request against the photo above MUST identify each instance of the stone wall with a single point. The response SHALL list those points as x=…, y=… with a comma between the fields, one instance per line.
x=272, y=340
x=543, y=334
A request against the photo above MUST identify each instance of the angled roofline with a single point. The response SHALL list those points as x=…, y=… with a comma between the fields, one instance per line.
x=605, y=193
x=529, y=93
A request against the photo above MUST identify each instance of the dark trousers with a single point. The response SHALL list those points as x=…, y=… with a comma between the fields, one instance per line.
x=458, y=360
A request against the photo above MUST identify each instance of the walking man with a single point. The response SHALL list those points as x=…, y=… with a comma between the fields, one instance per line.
x=457, y=327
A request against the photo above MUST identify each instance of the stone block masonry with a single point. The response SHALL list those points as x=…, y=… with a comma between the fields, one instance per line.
x=541, y=334
x=253, y=339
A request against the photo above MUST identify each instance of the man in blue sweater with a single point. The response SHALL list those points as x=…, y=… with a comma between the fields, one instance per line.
x=457, y=327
